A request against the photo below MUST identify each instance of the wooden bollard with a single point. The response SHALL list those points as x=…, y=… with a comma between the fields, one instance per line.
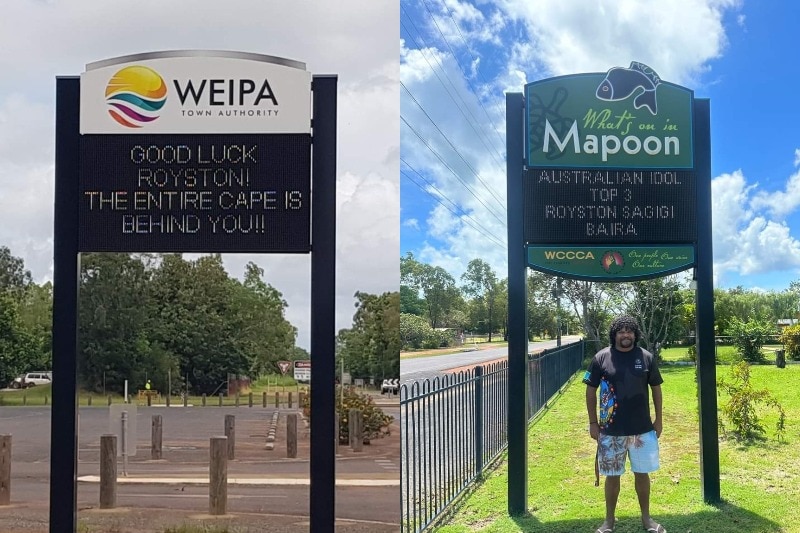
x=230, y=432
x=108, y=471
x=264, y=399
x=290, y=400
x=156, y=437
x=5, y=469
x=220, y=399
x=291, y=435
x=167, y=400
x=204, y=400
x=149, y=400
x=89, y=401
x=250, y=399
x=355, y=429
x=46, y=399
x=185, y=399
x=236, y=403
x=218, y=477
x=277, y=399
x=109, y=400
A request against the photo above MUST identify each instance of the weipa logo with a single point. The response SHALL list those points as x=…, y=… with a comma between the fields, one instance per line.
x=627, y=117
x=135, y=95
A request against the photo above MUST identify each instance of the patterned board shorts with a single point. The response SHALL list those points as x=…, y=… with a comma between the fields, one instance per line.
x=642, y=450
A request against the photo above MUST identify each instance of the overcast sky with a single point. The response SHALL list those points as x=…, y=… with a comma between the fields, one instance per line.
x=458, y=58
x=357, y=40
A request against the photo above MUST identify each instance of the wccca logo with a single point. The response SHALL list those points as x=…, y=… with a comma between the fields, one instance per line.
x=135, y=96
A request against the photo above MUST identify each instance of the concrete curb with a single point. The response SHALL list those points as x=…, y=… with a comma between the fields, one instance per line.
x=253, y=482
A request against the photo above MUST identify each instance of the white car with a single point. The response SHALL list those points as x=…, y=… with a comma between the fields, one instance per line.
x=31, y=379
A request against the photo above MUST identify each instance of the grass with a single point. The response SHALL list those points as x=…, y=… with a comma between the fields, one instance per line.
x=724, y=354
x=760, y=483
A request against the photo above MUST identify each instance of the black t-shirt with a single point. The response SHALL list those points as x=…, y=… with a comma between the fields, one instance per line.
x=623, y=378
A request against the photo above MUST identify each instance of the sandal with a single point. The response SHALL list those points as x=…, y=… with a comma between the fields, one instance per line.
x=658, y=529
x=607, y=530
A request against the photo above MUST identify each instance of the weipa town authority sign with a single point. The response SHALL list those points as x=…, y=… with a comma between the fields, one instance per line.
x=191, y=151
x=609, y=173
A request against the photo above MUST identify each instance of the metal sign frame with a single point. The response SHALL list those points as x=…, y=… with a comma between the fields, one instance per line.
x=516, y=138
x=63, y=466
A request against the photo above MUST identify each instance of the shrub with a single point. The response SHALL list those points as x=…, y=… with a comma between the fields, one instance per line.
x=790, y=337
x=376, y=422
x=740, y=410
x=749, y=338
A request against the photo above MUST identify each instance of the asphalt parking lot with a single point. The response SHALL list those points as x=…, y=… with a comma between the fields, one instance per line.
x=267, y=491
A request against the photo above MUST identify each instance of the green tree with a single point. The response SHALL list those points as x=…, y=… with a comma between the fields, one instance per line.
x=656, y=304
x=371, y=348
x=749, y=337
x=437, y=286
x=199, y=320
x=410, y=302
x=14, y=277
x=263, y=334
x=18, y=350
x=114, y=324
x=480, y=282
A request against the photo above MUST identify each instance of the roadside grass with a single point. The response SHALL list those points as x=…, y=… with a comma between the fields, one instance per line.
x=760, y=482
x=271, y=385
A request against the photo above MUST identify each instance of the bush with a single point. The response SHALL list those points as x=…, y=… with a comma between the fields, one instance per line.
x=749, y=338
x=790, y=338
x=376, y=422
x=740, y=410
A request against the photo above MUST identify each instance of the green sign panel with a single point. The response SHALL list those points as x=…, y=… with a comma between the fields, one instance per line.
x=626, y=117
x=610, y=263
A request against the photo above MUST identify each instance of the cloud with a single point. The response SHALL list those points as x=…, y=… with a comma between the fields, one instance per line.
x=60, y=38
x=412, y=223
x=745, y=240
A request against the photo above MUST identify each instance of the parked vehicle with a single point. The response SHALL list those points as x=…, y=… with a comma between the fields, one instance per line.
x=31, y=379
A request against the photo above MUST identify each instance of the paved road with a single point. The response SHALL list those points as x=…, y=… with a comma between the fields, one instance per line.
x=428, y=367
x=261, y=482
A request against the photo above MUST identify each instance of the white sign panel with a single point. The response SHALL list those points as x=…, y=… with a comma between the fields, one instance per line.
x=195, y=91
x=302, y=371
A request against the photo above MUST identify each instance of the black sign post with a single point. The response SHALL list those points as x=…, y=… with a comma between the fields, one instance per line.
x=194, y=192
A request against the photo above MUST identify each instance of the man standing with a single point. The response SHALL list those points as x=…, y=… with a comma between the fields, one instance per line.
x=623, y=371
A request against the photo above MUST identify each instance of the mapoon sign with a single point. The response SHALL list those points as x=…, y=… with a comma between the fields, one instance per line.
x=609, y=175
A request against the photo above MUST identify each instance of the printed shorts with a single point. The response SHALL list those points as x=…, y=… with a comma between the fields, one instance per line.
x=642, y=450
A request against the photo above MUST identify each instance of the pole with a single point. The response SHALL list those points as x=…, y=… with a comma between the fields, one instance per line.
x=66, y=269
x=322, y=467
x=517, y=311
x=124, y=443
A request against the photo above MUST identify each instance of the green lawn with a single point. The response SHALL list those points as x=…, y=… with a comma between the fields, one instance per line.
x=760, y=483
x=724, y=354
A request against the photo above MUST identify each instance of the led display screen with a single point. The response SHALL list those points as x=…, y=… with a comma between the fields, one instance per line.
x=589, y=206
x=195, y=193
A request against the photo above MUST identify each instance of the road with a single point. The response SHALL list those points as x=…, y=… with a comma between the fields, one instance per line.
x=260, y=481
x=417, y=368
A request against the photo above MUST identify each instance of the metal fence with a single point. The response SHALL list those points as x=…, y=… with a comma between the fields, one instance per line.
x=455, y=425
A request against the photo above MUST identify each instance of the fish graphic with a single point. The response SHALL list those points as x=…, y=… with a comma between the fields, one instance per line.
x=620, y=83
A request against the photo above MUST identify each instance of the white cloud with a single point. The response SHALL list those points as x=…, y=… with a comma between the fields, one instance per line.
x=411, y=223
x=42, y=40
x=746, y=241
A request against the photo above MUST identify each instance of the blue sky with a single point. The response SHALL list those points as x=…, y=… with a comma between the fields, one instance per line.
x=459, y=58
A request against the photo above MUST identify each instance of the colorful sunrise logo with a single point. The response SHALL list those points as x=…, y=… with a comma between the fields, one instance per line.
x=135, y=96
x=612, y=262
